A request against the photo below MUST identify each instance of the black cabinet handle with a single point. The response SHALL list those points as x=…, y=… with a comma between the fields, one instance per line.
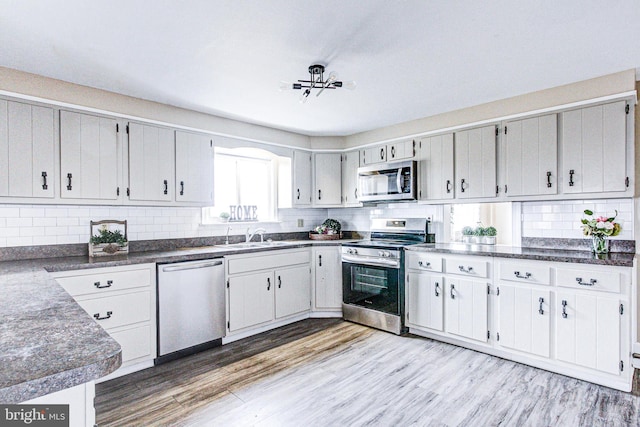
x=424, y=265
x=564, y=309
x=44, y=181
x=268, y=283
x=100, y=286
x=382, y=154
x=279, y=282
x=437, y=287
x=319, y=260
x=108, y=316
x=448, y=186
x=467, y=270
x=451, y=292
x=356, y=193
x=548, y=179
x=166, y=187
x=182, y=188
x=520, y=276
x=571, y=172
x=540, y=310
x=298, y=191
x=393, y=152
x=591, y=282
x=69, y=176
x=319, y=194
x=462, y=185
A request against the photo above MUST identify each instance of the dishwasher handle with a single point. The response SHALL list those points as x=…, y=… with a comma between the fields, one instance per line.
x=191, y=266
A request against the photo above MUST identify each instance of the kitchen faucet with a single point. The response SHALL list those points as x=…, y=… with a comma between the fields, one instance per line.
x=226, y=242
x=249, y=235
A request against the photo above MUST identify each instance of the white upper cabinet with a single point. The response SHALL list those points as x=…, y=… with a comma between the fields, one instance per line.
x=301, y=178
x=372, y=155
x=27, y=156
x=327, y=179
x=531, y=156
x=435, y=166
x=194, y=168
x=151, y=163
x=594, y=149
x=392, y=152
x=350, y=163
x=88, y=157
x=475, y=163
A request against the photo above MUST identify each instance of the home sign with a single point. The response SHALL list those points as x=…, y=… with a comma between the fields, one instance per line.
x=243, y=213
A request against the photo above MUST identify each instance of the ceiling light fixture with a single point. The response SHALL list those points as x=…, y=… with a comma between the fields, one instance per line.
x=317, y=81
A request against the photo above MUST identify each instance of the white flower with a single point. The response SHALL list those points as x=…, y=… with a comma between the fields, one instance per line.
x=601, y=225
x=608, y=225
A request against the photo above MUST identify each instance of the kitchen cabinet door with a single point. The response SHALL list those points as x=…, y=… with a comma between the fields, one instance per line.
x=401, y=150
x=466, y=308
x=594, y=149
x=475, y=163
x=151, y=163
x=350, y=163
x=301, y=178
x=425, y=307
x=327, y=179
x=588, y=330
x=435, y=168
x=194, y=168
x=372, y=155
x=26, y=150
x=524, y=319
x=328, y=278
x=293, y=290
x=251, y=300
x=88, y=157
x=531, y=156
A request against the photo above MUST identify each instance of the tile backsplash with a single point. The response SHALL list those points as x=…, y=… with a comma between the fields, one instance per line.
x=27, y=225
x=561, y=219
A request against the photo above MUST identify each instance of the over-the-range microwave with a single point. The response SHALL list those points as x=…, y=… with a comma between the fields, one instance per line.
x=388, y=182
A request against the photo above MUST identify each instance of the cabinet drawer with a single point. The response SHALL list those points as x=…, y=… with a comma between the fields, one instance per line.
x=98, y=283
x=135, y=342
x=266, y=261
x=119, y=310
x=525, y=272
x=424, y=261
x=466, y=267
x=595, y=280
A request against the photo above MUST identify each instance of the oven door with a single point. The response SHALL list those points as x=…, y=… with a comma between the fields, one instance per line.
x=376, y=287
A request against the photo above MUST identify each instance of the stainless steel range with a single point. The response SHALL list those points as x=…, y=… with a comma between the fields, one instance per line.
x=373, y=272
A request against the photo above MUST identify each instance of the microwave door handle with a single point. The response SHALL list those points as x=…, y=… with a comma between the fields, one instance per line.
x=399, y=180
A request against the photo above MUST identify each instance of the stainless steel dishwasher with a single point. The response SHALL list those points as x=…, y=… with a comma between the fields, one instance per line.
x=191, y=307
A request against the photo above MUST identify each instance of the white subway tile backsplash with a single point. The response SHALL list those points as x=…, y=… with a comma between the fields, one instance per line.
x=20, y=241
x=19, y=222
x=9, y=212
x=69, y=221
x=31, y=212
x=9, y=232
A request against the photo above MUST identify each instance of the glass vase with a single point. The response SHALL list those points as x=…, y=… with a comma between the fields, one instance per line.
x=599, y=244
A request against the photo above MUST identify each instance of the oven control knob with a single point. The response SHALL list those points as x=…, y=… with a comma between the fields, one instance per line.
x=352, y=251
x=381, y=253
x=387, y=254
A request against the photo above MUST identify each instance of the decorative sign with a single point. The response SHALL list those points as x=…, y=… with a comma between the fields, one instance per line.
x=243, y=213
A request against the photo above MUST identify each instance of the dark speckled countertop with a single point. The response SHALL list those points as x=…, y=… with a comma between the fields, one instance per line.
x=619, y=259
x=48, y=342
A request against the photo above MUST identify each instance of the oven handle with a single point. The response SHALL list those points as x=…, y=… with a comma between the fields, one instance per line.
x=375, y=262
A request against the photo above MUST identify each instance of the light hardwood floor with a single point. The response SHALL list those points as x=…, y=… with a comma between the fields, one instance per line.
x=327, y=372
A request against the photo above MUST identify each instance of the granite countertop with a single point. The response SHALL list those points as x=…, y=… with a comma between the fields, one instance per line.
x=619, y=259
x=48, y=342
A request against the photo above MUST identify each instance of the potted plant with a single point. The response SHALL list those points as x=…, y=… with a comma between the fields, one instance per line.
x=108, y=242
x=489, y=237
x=224, y=216
x=467, y=234
x=478, y=234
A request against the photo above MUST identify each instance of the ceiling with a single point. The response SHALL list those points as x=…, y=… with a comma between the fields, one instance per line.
x=409, y=58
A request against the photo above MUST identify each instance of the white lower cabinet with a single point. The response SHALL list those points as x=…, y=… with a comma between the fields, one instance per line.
x=327, y=277
x=123, y=301
x=524, y=319
x=265, y=289
x=574, y=319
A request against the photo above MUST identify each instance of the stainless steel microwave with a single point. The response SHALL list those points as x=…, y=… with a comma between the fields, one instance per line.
x=388, y=182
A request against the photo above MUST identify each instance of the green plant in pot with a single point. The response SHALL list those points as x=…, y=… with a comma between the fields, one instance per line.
x=224, y=216
x=489, y=237
x=109, y=242
x=329, y=229
x=467, y=234
x=478, y=234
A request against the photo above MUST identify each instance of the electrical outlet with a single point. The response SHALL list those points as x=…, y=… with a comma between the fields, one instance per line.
x=300, y=222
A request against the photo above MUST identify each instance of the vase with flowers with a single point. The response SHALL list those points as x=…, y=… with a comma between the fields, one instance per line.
x=600, y=229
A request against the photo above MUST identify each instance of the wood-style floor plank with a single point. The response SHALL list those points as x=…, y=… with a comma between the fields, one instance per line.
x=327, y=372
